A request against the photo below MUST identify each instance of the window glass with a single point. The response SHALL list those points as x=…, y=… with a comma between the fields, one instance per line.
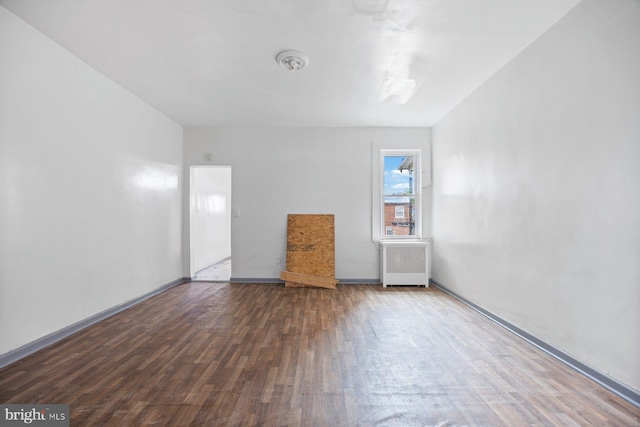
x=399, y=195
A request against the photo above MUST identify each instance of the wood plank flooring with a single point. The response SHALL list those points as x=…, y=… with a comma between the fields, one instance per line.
x=219, y=354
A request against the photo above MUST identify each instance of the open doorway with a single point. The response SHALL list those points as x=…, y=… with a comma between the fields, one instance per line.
x=210, y=223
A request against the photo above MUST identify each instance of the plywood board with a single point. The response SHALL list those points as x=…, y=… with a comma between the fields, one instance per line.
x=297, y=280
x=311, y=245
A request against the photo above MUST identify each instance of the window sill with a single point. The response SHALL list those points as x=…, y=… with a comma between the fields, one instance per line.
x=407, y=241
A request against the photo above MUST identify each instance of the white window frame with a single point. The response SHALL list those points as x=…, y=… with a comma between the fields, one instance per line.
x=402, y=215
x=417, y=184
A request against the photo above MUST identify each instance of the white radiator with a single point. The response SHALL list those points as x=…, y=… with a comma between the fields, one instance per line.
x=404, y=263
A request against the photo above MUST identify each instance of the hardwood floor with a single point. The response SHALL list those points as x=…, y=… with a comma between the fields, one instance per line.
x=220, y=354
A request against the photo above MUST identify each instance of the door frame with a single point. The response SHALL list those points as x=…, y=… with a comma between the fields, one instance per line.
x=192, y=251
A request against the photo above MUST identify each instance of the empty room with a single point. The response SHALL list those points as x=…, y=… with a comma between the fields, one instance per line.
x=320, y=213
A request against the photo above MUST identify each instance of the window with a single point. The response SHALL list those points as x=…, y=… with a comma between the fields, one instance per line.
x=401, y=198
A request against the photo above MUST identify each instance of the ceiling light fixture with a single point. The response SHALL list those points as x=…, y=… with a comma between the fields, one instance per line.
x=292, y=60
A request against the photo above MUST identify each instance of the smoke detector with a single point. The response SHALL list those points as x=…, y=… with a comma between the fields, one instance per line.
x=292, y=60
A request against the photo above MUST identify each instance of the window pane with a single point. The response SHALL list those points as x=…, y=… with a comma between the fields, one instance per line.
x=399, y=216
x=401, y=202
x=398, y=175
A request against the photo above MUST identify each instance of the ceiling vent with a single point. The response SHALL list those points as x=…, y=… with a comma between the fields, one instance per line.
x=292, y=60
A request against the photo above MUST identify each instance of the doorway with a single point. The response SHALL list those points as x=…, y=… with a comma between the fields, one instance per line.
x=210, y=223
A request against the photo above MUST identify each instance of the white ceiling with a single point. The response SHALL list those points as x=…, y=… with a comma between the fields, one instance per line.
x=372, y=62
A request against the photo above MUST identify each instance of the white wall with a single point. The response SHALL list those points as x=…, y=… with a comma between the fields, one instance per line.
x=90, y=190
x=536, y=190
x=210, y=215
x=299, y=170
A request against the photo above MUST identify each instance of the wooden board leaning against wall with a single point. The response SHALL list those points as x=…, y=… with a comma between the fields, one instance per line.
x=310, y=258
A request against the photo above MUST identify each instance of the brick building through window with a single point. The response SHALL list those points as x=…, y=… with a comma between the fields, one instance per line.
x=395, y=225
